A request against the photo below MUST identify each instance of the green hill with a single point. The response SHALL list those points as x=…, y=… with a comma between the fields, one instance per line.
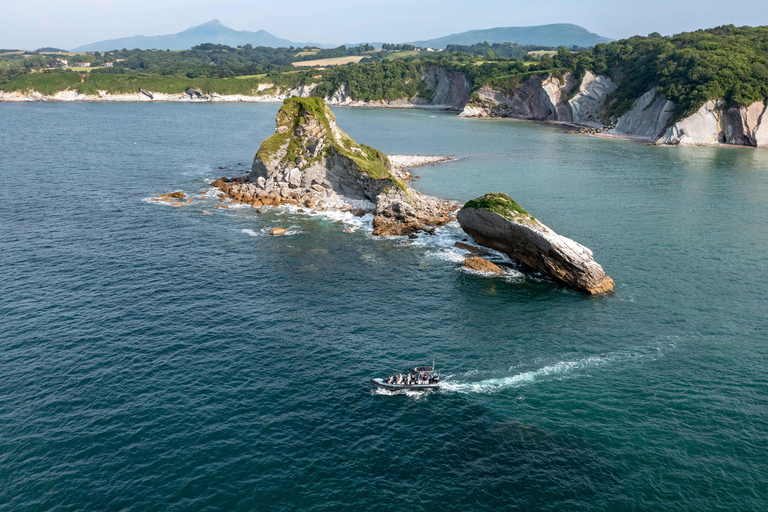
x=211, y=32
x=555, y=35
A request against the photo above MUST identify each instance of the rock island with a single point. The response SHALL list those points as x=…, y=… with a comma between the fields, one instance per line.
x=310, y=161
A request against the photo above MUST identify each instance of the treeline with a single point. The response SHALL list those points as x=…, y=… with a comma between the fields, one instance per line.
x=497, y=51
x=690, y=68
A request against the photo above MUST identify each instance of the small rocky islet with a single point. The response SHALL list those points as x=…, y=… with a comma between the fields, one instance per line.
x=309, y=161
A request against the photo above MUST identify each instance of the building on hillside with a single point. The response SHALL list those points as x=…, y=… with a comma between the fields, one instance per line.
x=109, y=64
x=64, y=63
x=82, y=64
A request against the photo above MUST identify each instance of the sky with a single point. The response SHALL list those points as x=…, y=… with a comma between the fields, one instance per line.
x=31, y=24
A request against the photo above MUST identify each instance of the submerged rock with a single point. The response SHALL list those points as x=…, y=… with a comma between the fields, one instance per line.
x=498, y=222
x=470, y=248
x=481, y=265
x=309, y=161
x=277, y=231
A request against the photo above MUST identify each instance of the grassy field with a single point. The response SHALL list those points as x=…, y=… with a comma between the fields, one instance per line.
x=81, y=69
x=539, y=53
x=336, y=61
x=245, y=77
x=60, y=54
x=401, y=55
x=92, y=83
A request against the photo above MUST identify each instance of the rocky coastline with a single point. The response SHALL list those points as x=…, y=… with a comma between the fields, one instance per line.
x=583, y=104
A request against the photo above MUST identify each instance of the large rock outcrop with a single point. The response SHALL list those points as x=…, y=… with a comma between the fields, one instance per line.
x=648, y=117
x=498, y=222
x=542, y=98
x=713, y=123
x=588, y=104
x=310, y=161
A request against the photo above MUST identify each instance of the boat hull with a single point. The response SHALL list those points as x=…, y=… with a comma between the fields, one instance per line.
x=383, y=384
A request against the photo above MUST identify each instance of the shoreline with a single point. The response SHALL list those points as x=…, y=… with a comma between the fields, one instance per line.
x=159, y=97
x=196, y=97
x=630, y=138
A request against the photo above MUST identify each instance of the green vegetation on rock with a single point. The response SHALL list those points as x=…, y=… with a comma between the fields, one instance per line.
x=500, y=203
x=300, y=111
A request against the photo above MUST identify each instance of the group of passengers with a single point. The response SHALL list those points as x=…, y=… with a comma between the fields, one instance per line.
x=410, y=379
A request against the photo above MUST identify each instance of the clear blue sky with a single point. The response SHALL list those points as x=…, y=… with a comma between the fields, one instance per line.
x=31, y=24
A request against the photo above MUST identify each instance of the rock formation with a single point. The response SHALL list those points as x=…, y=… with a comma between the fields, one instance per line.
x=498, y=222
x=310, y=161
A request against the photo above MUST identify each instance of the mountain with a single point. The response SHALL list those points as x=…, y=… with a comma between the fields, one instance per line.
x=559, y=34
x=211, y=32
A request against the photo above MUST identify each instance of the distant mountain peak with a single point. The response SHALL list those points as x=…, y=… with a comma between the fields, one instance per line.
x=210, y=32
x=210, y=24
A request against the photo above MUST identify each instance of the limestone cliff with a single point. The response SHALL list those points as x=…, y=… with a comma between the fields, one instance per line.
x=542, y=98
x=648, y=117
x=498, y=222
x=548, y=98
x=713, y=123
x=441, y=89
x=311, y=161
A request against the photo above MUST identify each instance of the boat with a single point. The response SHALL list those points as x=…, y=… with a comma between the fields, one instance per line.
x=424, y=377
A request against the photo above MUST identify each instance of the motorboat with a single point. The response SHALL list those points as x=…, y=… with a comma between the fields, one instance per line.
x=422, y=377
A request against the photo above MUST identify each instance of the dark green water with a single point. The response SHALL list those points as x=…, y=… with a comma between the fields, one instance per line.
x=155, y=358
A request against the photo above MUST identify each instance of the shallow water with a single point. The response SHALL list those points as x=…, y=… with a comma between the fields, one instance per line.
x=157, y=358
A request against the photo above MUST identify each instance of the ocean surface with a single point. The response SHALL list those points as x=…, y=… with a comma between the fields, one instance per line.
x=157, y=358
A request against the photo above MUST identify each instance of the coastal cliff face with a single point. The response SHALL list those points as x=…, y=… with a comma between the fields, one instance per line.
x=444, y=90
x=541, y=98
x=498, y=222
x=546, y=98
x=588, y=105
x=648, y=117
x=309, y=161
x=715, y=124
x=451, y=89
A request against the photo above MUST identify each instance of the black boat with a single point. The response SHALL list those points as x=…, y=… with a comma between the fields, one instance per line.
x=423, y=377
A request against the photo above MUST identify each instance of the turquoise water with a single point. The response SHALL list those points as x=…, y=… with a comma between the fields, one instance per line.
x=156, y=358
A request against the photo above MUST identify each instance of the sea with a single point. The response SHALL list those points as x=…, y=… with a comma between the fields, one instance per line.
x=161, y=358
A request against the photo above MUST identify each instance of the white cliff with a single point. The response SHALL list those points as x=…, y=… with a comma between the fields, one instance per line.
x=587, y=105
x=542, y=98
x=747, y=126
x=648, y=117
